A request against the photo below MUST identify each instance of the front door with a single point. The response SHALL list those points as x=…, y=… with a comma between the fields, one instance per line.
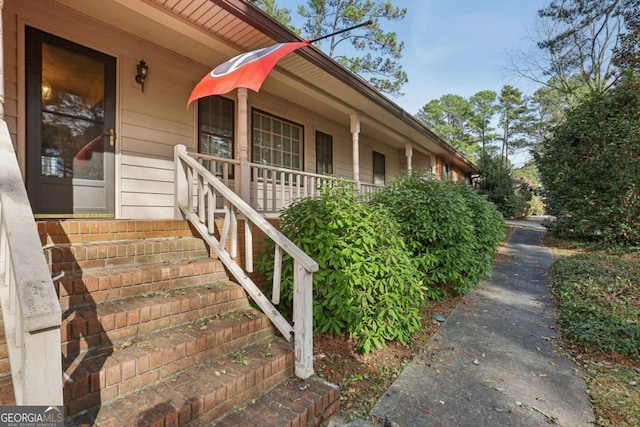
x=70, y=128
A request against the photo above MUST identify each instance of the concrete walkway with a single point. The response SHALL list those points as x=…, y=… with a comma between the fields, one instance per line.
x=492, y=362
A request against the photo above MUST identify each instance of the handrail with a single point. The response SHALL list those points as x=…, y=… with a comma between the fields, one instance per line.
x=30, y=306
x=197, y=192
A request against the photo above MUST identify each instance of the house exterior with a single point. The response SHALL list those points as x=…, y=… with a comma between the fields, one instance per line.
x=94, y=99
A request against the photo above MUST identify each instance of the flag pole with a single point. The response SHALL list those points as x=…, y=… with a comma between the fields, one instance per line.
x=369, y=22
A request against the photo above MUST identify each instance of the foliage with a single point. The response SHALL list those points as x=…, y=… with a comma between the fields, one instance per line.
x=594, y=286
x=514, y=119
x=584, y=45
x=591, y=168
x=282, y=15
x=626, y=54
x=380, y=65
x=367, y=284
x=484, y=108
x=597, y=293
x=496, y=183
x=449, y=117
x=451, y=230
x=527, y=173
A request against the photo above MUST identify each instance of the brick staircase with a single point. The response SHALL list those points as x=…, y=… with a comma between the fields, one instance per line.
x=154, y=333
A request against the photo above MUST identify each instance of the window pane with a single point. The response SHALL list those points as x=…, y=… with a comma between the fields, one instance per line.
x=72, y=115
x=215, y=126
x=324, y=153
x=378, y=169
x=273, y=143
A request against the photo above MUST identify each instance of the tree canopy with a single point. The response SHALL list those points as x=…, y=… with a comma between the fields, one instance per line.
x=585, y=46
x=370, y=51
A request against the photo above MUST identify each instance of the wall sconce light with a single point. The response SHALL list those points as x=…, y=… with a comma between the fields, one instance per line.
x=143, y=72
x=47, y=90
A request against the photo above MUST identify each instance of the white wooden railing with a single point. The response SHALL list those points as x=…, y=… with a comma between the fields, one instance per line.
x=213, y=209
x=30, y=307
x=272, y=188
x=369, y=189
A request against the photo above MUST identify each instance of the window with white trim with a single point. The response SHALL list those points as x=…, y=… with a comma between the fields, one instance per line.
x=324, y=153
x=276, y=142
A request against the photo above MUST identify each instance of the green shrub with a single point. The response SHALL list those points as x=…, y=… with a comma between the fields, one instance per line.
x=496, y=182
x=367, y=284
x=451, y=230
x=590, y=168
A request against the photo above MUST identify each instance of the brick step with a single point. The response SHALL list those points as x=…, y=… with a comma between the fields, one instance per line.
x=99, y=285
x=6, y=391
x=6, y=382
x=101, y=375
x=85, y=231
x=81, y=256
x=201, y=393
x=102, y=324
x=292, y=403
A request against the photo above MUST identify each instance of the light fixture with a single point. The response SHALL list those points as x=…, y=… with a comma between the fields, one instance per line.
x=143, y=71
x=47, y=90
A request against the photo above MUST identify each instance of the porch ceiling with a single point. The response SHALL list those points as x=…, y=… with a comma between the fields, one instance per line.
x=211, y=31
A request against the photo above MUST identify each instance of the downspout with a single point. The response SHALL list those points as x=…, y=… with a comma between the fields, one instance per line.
x=355, y=135
x=243, y=185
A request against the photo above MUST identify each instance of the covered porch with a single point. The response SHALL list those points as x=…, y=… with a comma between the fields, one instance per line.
x=83, y=136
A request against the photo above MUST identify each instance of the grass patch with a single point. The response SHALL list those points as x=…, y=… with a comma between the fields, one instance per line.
x=598, y=295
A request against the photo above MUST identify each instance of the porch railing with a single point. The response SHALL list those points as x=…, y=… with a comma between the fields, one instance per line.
x=273, y=188
x=213, y=209
x=30, y=307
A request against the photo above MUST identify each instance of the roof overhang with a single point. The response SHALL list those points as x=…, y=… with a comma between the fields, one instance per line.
x=210, y=31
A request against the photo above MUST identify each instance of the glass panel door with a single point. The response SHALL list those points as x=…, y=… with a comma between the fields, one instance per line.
x=70, y=127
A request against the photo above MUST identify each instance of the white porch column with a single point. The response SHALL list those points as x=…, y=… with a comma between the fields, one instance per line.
x=1, y=63
x=355, y=136
x=408, y=149
x=243, y=177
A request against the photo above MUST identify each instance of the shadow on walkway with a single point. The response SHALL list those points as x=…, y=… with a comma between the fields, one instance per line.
x=493, y=363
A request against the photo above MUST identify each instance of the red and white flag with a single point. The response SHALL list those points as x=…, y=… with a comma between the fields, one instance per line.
x=248, y=70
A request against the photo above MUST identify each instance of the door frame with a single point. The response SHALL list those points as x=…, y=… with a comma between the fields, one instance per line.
x=111, y=114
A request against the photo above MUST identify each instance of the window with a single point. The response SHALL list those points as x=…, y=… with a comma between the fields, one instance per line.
x=445, y=170
x=324, y=153
x=378, y=168
x=215, y=128
x=276, y=142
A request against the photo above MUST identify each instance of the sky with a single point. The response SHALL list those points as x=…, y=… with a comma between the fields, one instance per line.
x=458, y=47
x=461, y=47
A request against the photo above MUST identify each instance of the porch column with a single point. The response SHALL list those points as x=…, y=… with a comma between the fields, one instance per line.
x=355, y=135
x=408, y=149
x=243, y=179
x=1, y=63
